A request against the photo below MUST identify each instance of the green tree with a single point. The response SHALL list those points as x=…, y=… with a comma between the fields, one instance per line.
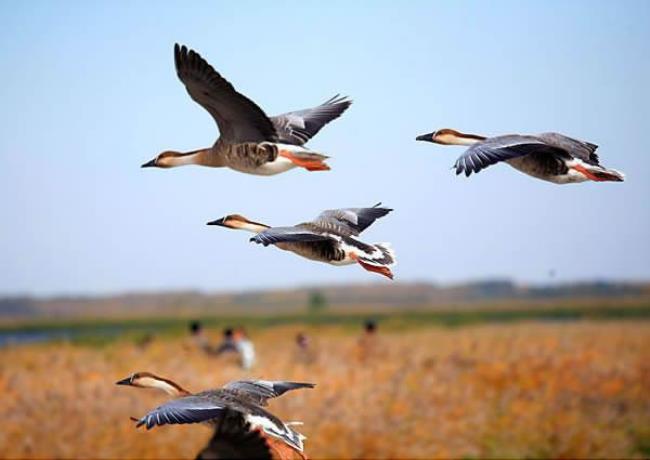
x=317, y=302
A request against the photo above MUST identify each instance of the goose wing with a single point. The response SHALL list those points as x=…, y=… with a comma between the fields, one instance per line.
x=260, y=391
x=496, y=149
x=190, y=409
x=350, y=221
x=585, y=151
x=297, y=234
x=239, y=119
x=298, y=127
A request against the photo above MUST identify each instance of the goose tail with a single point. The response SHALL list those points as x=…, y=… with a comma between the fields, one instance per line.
x=380, y=260
x=608, y=175
x=303, y=158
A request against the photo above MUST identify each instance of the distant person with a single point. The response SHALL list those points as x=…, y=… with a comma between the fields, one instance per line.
x=245, y=348
x=369, y=345
x=198, y=336
x=305, y=352
x=236, y=341
x=302, y=341
x=228, y=343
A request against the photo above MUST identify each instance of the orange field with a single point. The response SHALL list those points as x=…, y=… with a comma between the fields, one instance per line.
x=516, y=390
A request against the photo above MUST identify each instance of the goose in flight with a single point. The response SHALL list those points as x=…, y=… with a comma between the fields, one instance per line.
x=239, y=403
x=552, y=157
x=250, y=141
x=330, y=238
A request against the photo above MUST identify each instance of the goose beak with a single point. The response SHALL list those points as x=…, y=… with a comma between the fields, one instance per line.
x=221, y=222
x=126, y=381
x=426, y=137
x=149, y=164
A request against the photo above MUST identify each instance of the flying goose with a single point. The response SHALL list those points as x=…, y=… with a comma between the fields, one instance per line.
x=330, y=238
x=242, y=399
x=250, y=141
x=552, y=157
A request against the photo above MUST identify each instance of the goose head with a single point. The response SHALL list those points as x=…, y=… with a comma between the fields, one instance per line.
x=171, y=158
x=163, y=160
x=448, y=136
x=149, y=380
x=239, y=222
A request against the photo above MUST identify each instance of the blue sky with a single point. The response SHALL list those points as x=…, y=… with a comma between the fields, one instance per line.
x=89, y=93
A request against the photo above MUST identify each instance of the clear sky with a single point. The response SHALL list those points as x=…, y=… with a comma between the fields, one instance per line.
x=89, y=93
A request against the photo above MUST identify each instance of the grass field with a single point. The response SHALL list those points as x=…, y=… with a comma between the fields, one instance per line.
x=517, y=389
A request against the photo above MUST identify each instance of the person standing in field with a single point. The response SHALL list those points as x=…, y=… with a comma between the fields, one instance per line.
x=245, y=348
x=369, y=344
x=198, y=337
x=237, y=341
x=305, y=351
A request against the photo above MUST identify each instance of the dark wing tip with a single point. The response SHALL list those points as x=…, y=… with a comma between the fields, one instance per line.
x=261, y=239
x=180, y=53
x=337, y=99
x=302, y=384
x=381, y=211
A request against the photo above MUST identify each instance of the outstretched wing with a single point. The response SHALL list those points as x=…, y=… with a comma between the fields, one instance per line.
x=297, y=234
x=259, y=391
x=239, y=119
x=298, y=127
x=349, y=221
x=494, y=150
x=190, y=409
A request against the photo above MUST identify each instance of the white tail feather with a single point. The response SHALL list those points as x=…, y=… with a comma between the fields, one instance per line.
x=383, y=255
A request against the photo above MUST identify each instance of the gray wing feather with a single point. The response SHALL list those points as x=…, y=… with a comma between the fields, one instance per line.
x=260, y=391
x=190, y=409
x=586, y=151
x=350, y=221
x=239, y=119
x=301, y=125
x=287, y=235
x=496, y=149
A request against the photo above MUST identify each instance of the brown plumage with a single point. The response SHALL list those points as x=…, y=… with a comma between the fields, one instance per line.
x=235, y=410
x=331, y=238
x=552, y=157
x=250, y=141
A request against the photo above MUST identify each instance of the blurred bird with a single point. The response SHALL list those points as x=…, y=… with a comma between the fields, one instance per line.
x=250, y=141
x=330, y=238
x=551, y=157
x=237, y=404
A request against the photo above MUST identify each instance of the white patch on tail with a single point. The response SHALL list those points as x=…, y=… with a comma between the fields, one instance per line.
x=383, y=255
x=283, y=432
x=576, y=173
x=279, y=165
